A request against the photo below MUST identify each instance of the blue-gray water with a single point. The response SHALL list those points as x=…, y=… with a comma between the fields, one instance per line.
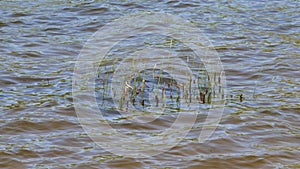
x=259, y=46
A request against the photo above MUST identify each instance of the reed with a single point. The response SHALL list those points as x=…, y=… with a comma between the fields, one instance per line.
x=143, y=102
x=153, y=73
x=190, y=89
x=241, y=97
x=123, y=96
x=156, y=100
x=209, y=98
x=106, y=83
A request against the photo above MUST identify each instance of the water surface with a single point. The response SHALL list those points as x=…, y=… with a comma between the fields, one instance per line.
x=258, y=43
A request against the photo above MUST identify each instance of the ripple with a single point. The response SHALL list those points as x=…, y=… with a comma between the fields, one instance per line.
x=258, y=43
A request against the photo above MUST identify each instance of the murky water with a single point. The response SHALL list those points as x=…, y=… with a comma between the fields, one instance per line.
x=258, y=43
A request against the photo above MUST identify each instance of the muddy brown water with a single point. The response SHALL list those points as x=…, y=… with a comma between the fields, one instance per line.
x=258, y=43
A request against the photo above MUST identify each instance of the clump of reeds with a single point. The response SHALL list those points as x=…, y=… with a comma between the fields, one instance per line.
x=200, y=87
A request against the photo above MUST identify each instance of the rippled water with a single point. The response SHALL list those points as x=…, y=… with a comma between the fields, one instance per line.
x=258, y=43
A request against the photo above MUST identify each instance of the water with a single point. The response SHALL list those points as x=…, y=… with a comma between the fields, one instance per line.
x=258, y=43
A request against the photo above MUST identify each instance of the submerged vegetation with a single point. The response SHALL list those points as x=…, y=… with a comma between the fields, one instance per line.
x=157, y=88
x=145, y=88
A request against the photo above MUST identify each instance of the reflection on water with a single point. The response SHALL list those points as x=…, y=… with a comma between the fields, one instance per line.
x=258, y=43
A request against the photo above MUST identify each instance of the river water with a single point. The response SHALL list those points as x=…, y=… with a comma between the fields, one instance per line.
x=259, y=46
